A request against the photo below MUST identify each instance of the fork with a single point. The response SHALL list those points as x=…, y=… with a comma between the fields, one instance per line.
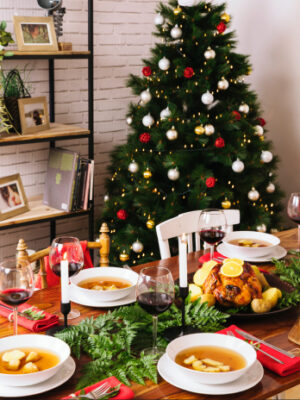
x=95, y=394
x=229, y=333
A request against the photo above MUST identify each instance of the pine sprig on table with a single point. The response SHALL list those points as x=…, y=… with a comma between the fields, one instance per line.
x=34, y=314
x=290, y=273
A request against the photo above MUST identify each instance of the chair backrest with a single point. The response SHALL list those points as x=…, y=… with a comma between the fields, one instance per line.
x=187, y=223
x=103, y=244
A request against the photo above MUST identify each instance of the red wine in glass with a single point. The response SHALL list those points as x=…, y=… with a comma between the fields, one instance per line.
x=293, y=210
x=74, y=268
x=15, y=297
x=212, y=236
x=155, y=303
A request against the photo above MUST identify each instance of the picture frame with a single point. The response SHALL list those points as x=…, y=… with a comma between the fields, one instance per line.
x=34, y=115
x=13, y=200
x=35, y=33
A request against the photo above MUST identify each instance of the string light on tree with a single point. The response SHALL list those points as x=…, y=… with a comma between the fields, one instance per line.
x=164, y=64
x=209, y=129
x=106, y=198
x=253, y=195
x=223, y=84
x=259, y=130
x=165, y=113
x=266, y=156
x=172, y=134
x=133, y=167
x=148, y=120
x=159, y=19
x=146, y=96
x=271, y=188
x=261, y=228
x=176, y=32
x=173, y=174
x=238, y=166
x=137, y=246
x=207, y=98
x=129, y=120
x=244, y=108
x=209, y=54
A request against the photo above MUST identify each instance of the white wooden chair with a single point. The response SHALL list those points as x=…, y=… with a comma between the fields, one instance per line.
x=187, y=223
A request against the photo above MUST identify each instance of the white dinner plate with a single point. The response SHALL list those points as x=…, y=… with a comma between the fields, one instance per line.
x=86, y=301
x=64, y=374
x=172, y=376
x=278, y=252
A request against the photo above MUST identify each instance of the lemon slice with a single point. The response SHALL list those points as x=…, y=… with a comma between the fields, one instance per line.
x=236, y=260
x=231, y=269
x=195, y=291
x=202, y=273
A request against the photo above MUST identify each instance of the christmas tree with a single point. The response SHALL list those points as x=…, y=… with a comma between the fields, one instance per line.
x=198, y=137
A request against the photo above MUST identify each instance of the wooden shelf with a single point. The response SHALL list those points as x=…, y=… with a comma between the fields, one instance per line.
x=56, y=132
x=38, y=212
x=47, y=54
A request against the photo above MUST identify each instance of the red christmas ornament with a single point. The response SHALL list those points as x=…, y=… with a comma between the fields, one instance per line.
x=221, y=27
x=188, y=72
x=210, y=182
x=145, y=137
x=122, y=214
x=219, y=143
x=147, y=71
x=236, y=115
x=261, y=121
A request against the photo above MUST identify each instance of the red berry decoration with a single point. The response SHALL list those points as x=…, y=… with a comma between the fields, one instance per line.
x=147, y=71
x=261, y=121
x=236, y=115
x=221, y=27
x=210, y=182
x=145, y=137
x=122, y=214
x=219, y=143
x=188, y=72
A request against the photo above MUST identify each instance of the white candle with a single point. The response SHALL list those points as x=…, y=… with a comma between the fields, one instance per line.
x=183, y=261
x=64, y=281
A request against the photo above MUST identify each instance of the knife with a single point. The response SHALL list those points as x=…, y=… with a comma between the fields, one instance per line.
x=21, y=314
x=251, y=337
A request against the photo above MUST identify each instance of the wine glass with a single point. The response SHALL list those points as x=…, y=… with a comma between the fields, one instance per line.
x=66, y=249
x=212, y=227
x=293, y=210
x=155, y=294
x=16, y=285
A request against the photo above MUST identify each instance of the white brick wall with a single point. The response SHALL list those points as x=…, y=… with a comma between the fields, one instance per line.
x=122, y=37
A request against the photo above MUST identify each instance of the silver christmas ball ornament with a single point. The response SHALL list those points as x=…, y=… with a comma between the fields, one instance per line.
x=176, y=32
x=165, y=113
x=271, y=188
x=148, y=120
x=133, y=167
x=164, y=64
x=238, y=166
x=209, y=129
x=223, y=84
x=129, y=120
x=259, y=130
x=106, y=198
x=244, y=108
x=261, y=228
x=253, y=195
x=137, y=246
x=209, y=54
x=159, y=19
x=207, y=98
x=266, y=156
x=173, y=174
x=172, y=134
x=146, y=96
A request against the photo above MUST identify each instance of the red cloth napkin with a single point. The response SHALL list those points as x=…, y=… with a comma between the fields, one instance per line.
x=34, y=326
x=53, y=279
x=124, y=393
x=290, y=365
x=206, y=257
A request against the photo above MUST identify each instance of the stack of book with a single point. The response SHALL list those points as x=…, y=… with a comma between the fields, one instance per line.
x=69, y=181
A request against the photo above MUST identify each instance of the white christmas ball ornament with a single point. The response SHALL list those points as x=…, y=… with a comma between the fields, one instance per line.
x=209, y=54
x=266, y=156
x=253, y=195
x=165, y=113
x=173, y=174
x=259, y=130
x=159, y=19
x=176, y=32
x=164, y=64
x=189, y=3
x=261, y=228
x=172, y=134
x=223, y=84
x=137, y=246
x=238, y=166
x=271, y=188
x=146, y=96
x=244, y=108
x=106, y=198
x=209, y=129
x=129, y=120
x=207, y=98
x=133, y=167
x=148, y=120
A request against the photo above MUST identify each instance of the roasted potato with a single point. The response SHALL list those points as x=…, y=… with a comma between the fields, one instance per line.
x=209, y=298
x=272, y=295
x=261, y=305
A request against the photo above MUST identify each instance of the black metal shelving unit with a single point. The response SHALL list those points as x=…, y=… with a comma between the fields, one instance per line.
x=51, y=57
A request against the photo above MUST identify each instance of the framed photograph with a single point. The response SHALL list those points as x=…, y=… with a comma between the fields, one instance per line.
x=34, y=115
x=13, y=200
x=35, y=33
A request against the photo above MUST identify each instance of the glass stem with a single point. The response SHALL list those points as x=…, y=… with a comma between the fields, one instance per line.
x=154, y=318
x=15, y=317
x=211, y=251
x=298, y=246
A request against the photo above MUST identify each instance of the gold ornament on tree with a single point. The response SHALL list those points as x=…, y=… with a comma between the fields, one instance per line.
x=147, y=174
x=150, y=224
x=124, y=256
x=225, y=17
x=199, y=130
x=226, y=204
x=177, y=10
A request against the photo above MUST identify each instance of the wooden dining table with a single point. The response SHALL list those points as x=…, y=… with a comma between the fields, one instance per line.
x=273, y=329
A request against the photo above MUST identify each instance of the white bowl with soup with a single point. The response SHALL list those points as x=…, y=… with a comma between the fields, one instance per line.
x=104, y=283
x=30, y=359
x=211, y=358
x=250, y=243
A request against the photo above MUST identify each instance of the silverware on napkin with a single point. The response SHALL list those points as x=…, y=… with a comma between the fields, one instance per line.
x=21, y=314
x=251, y=337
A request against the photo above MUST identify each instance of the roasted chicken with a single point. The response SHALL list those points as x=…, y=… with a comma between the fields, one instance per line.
x=229, y=291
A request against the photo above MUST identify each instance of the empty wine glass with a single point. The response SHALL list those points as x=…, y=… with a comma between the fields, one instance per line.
x=16, y=285
x=155, y=294
x=293, y=210
x=212, y=227
x=66, y=249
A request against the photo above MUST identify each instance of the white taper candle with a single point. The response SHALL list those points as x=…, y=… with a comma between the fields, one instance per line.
x=183, y=261
x=64, y=281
